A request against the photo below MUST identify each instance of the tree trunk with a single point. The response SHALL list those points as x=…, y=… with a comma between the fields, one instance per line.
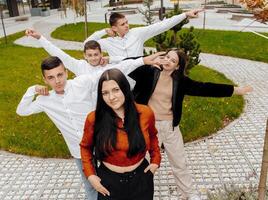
x=86, y=29
x=264, y=166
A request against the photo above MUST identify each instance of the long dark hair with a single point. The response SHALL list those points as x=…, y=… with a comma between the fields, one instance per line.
x=105, y=127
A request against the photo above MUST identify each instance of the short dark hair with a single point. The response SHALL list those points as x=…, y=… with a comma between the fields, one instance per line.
x=115, y=17
x=50, y=63
x=105, y=126
x=92, y=44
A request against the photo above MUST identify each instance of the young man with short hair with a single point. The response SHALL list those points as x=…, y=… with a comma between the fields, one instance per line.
x=94, y=59
x=129, y=42
x=69, y=102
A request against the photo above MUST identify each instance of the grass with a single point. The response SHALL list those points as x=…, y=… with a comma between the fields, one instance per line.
x=230, y=43
x=36, y=135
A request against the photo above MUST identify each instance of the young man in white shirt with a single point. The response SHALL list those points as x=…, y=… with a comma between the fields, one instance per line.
x=69, y=102
x=127, y=42
x=92, y=54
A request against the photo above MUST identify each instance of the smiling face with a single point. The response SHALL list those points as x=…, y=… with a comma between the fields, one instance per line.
x=93, y=56
x=171, y=61
x=56, y=78
x=121, y=27
x=113, y=95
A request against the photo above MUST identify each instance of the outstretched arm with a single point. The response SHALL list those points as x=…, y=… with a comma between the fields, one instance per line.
x=150, y=31
x=242, y=90
x=206, y=89
x=97, y=36
x=69, y=62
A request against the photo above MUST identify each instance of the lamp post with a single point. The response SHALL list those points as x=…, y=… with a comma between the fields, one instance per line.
x=86, y=30
x=161, y=10
x=3, y=25
x=204, y=18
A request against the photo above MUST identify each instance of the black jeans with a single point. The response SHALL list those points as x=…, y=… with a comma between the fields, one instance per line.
x=134, y=185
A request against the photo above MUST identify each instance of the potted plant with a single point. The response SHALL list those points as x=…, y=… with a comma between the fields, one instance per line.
x=45, y=11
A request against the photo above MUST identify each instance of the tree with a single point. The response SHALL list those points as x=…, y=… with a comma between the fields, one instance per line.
x=185, y=41
x=259, y=9
x=79, y=7
x=147, y=13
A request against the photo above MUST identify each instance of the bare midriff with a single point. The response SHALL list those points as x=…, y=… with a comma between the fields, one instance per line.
x=119, y=169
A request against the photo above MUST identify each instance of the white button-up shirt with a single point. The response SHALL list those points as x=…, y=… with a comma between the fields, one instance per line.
x=78, y=67
x=69, y=110
x=131, y=45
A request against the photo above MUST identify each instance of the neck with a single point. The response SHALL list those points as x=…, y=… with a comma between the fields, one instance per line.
x=120, y=113
x=59, y=92
x=167, y=73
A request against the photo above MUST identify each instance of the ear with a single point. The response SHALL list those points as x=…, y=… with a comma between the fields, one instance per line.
x=44, y=79
x=114, y=28
x=85, y=55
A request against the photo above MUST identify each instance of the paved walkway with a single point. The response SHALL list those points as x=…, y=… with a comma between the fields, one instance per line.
x=233, y=155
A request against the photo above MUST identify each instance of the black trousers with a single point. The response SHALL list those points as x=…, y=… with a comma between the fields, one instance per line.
x=134, y=185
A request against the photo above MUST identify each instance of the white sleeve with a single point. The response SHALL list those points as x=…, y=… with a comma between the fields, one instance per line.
x=69, y=62
x=128, y=65
x=27, y=106
x=97, y=37
x=87, y=82
x=116, y=59
x=150, y=31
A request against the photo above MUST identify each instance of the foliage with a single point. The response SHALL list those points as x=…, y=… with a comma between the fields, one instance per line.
x=232, y=192
x=147, y=13
x=186, y=41
x=259, y=8
x=77, y=5
x=211, y=41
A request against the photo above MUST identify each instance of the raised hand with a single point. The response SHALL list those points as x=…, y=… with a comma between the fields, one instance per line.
x=95, y=182
x=33, y=33
x=110, y=32
x=193, y=13
x=104, y=61
x=243, y=90
x=41, y=90
x=154, y=59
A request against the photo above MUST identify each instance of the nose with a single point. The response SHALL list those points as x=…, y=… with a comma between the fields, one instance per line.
x=57, y=80
x=111, y=96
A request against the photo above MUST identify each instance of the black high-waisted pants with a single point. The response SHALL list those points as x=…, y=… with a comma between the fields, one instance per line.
x=134, y=185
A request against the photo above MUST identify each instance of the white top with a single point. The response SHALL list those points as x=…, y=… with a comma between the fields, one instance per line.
x=131, y=45
x=69, y=110
x=78, y=67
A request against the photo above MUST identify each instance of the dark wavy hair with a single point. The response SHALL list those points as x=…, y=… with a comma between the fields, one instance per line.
x=182, y=63
x=105, y=127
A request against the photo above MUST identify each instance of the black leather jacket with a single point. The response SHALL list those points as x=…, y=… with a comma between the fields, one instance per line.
x=146, y=78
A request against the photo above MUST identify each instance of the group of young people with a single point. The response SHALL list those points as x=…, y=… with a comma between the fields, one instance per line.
x=112, y=115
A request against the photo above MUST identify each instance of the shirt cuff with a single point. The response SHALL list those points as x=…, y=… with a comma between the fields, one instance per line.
x=140, y=61
x=30, y=91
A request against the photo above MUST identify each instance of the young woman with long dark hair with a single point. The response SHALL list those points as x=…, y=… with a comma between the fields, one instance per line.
x=120, y=132
x=164, y=92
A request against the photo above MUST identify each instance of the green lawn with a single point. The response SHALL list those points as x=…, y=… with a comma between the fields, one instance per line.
x=36, y=135
x=230, y=43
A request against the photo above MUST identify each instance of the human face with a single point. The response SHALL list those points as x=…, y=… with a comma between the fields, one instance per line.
x=56, y=78
x=113, y=95
x=171, y=61
x=93, y=56
x=121, y=27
